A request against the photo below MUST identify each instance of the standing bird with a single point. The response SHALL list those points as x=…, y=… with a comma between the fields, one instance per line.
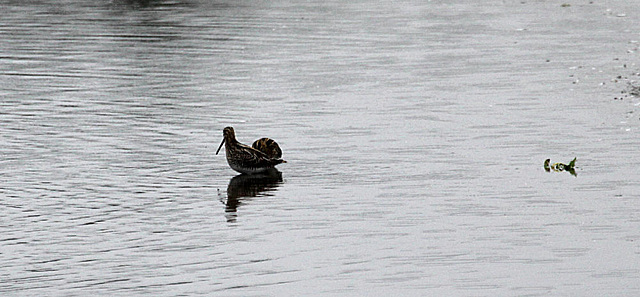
x=250, y=160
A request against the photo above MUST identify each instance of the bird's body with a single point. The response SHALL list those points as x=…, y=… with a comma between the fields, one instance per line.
x=246, y=159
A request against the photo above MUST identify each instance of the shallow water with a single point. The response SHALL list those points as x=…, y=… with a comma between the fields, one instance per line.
x=414, y=132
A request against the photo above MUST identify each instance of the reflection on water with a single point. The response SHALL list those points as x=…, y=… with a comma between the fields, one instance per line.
x=245, y=186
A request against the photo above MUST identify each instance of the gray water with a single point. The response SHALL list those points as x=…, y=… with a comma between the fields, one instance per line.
x=414, y=131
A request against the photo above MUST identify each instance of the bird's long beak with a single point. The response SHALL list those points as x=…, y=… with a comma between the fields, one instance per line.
x=220, y=146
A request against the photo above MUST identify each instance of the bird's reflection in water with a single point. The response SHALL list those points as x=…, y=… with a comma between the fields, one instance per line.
x=244, y=186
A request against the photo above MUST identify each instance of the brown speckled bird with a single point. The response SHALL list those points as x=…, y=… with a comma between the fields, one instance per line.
x=250, y=160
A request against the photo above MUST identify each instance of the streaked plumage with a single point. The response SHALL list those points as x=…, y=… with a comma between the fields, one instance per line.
x=268, y=146
x=246, y=159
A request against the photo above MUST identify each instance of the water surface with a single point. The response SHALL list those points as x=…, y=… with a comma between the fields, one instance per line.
x=414, y=131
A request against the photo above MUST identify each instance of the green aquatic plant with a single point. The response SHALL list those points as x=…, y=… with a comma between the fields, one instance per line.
x=557, y=167
x=572, y=164
x=546, y=165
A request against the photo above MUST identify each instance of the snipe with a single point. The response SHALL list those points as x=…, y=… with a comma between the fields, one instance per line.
x=264, y=155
